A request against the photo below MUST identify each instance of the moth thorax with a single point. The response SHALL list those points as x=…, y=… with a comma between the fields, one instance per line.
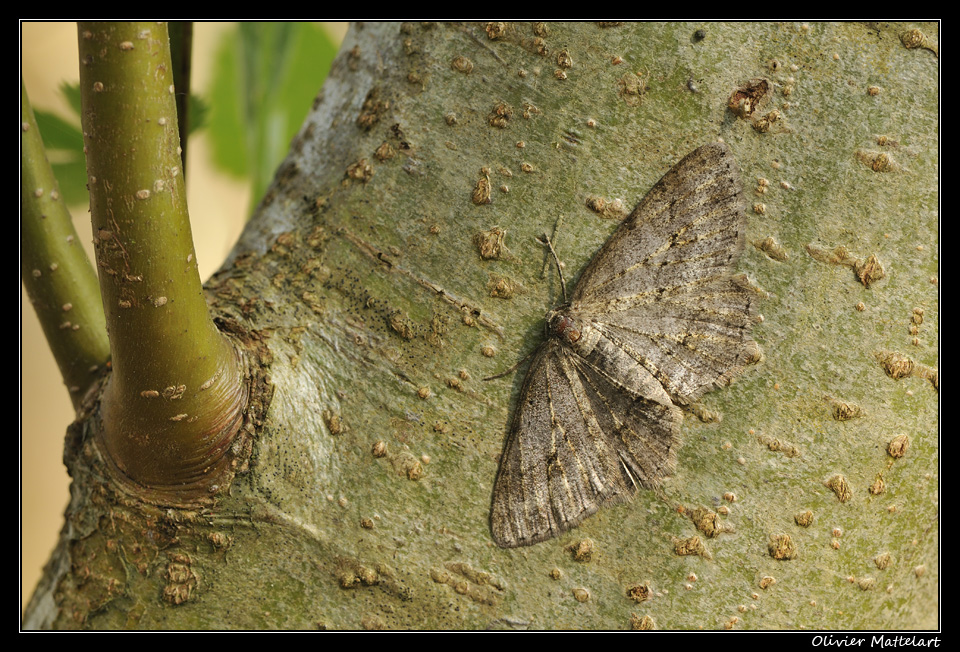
x=563, y=326
x=575, y=333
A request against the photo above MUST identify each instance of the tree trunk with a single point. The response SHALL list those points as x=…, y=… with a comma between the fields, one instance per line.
x=393, y=264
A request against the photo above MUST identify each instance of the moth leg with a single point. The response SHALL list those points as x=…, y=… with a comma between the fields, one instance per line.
x=626, y=469
x=702, y=412
x=511, y=369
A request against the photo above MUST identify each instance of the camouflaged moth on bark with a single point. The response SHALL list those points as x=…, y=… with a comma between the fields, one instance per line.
x=656, y=320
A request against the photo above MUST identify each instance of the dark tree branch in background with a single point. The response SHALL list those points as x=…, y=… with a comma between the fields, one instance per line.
x=181, y=55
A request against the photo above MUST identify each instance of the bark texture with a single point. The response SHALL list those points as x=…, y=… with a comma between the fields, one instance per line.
x=393, y=265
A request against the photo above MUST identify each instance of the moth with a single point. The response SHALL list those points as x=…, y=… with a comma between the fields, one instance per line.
x=656, y=319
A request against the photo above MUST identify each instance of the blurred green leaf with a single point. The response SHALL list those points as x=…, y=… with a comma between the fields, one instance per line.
x=199, y=113
x=59, y=134
x=63, y=141
x=266, y=76
x=72, y=94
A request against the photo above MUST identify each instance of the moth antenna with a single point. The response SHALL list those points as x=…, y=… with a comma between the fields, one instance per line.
x=563, y=282
x=546, y=259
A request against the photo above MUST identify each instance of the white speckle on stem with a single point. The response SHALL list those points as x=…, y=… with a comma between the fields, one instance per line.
x=143, y=194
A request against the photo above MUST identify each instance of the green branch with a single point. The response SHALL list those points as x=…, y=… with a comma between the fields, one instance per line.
x=174, y=400
x=54, y=268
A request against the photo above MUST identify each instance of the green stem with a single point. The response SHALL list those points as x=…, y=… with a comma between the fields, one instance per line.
x=55, y=269
x=175, y=398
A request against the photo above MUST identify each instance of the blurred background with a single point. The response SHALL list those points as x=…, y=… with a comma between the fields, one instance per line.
x=254, y=83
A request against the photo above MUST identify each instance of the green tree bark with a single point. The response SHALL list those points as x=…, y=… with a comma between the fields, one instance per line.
x=368, y=275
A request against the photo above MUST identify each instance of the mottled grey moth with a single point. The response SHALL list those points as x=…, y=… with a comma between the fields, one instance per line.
x=656, y=320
